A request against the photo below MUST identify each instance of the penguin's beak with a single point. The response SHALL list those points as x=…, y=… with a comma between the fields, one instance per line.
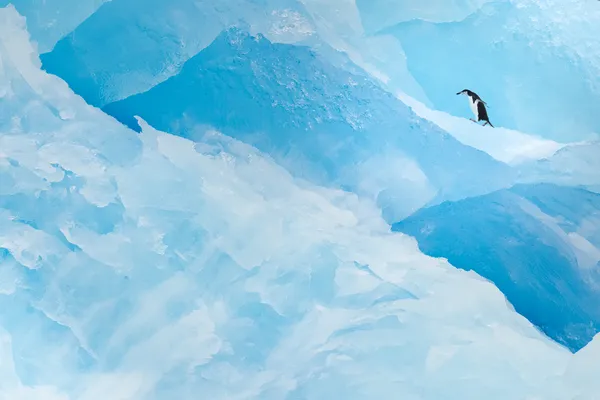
x=458, y=93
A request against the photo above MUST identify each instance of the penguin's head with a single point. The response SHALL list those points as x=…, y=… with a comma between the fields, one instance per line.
x=465, y=92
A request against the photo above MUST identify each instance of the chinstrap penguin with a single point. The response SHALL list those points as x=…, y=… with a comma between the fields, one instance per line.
x=477, y=106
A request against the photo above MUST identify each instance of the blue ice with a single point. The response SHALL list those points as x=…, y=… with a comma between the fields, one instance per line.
x=238, y=244
x=129, y=32
x=536, y=63
x=325, y=124
x=531, y=241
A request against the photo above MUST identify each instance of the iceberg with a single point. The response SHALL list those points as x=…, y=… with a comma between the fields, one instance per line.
x=150, y=266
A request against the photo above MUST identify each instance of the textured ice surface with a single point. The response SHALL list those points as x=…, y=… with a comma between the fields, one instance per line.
x=535, y=62
x=540, y=244
x=338, y=24
x=326, y=124
x=152, y=267
x=124, y=61
x=128, y=46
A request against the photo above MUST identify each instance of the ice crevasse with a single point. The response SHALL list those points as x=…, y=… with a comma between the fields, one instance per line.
x=132, y=268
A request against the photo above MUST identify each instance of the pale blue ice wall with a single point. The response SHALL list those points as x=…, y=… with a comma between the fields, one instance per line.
x=536, y=63
x=51, y=20
x=128, y=46
x=180, y=29
x=377, y=15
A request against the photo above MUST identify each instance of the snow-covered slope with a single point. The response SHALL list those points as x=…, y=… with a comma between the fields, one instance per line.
x=152, y=267
x=506, y=145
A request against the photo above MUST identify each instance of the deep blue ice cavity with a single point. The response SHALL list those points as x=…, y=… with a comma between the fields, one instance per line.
x=528, y=241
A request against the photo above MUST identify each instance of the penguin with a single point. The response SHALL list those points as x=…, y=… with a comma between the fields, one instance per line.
x=477, y=106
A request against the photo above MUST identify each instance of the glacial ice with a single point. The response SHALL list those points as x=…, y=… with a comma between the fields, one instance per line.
x=575, y=165
x=95, y=69
x=509, y=50
x=506, y=145
x=328, y=125
x=541, y=252
x=50, y=20
x=133, y=269
x=536, y=63
x=151, y=266
x=378, y=15
x=129, y=33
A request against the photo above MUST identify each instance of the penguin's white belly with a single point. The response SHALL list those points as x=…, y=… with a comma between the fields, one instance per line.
x=473, y=105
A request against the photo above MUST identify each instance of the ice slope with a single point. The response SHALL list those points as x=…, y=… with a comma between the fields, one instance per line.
x=506, y=145
x=540, y=244
x=152, y=267
x=536, y=63
x=322, y=123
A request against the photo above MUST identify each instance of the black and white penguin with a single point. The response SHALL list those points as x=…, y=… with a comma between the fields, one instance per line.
x=477, y=106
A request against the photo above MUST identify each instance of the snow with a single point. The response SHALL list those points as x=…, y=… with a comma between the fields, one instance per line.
x=149, y=266
x=582, y=372
x=506, y=145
